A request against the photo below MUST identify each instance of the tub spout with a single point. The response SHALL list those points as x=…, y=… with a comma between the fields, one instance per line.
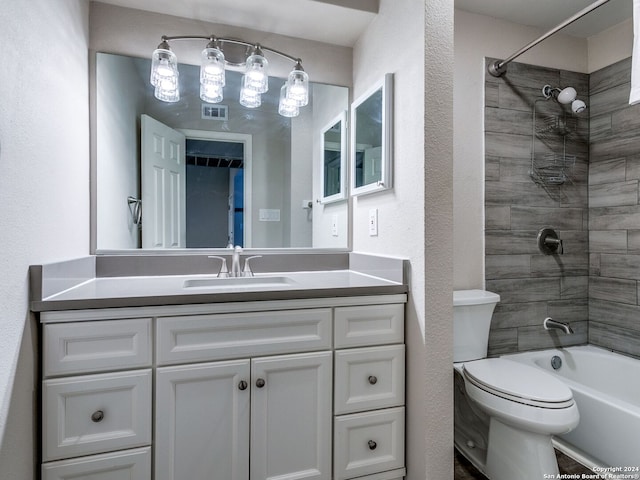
x=550, y=323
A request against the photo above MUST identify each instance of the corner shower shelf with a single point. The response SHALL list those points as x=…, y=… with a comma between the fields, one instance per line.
x=551, y=131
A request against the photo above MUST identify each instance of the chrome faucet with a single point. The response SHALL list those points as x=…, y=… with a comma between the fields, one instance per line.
x=235, y=262
x=550, y=323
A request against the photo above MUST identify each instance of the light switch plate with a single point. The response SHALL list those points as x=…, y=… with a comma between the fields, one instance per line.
x=373, y=222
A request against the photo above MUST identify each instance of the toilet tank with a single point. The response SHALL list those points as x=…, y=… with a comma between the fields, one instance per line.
x=472, y=311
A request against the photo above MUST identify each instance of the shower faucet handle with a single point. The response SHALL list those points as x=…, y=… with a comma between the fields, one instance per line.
x=549, y=242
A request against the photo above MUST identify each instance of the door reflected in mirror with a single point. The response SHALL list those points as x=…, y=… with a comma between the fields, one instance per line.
x=371, y=139
x=266, y=206
x=333, y=150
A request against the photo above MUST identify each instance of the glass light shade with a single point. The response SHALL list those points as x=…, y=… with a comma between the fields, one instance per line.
x=212, y=67
x=298, y=87
x=167, y=95
x=164, y=64
x=210, y=93
x=256, y=73
x=567, y=95
x=287, y=107
x=249, y=97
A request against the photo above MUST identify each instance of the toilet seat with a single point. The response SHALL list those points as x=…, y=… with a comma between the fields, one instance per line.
x=519, y=383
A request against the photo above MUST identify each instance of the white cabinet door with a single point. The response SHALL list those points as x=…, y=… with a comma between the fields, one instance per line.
x=291, y=417
x=202, y=422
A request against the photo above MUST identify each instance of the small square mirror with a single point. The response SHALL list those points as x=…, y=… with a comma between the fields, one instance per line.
x=371, y=139
x=333, y=145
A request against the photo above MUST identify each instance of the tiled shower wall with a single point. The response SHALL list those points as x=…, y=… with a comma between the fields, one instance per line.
x=614, y=213
x=533, y=286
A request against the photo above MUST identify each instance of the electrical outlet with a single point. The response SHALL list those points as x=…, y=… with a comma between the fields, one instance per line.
x=334, y=225
x=373, y=222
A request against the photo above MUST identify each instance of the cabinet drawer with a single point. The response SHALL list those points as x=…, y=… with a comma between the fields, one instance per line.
x=369, y=442
x=369, y=378
x=96, y=413
x=226, y=336
x=369, y=325
x=125, y=465
x=96, y=346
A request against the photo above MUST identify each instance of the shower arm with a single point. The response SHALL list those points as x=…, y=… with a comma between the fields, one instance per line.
x=499, y=67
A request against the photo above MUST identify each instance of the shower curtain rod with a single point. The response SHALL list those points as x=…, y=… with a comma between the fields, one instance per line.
x=499, y=67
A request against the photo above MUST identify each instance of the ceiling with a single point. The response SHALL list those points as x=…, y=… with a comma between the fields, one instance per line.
x=339, y=22
x=546, y=14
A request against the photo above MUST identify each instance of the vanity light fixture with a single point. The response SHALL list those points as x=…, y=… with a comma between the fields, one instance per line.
x=255, y=81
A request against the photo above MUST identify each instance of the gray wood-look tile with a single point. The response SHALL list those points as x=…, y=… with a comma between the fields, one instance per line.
x=491, y=95
x=617, y=314
x=594, y=264
x=608, y=241
x=574, y=193
x=623, y=144
x=609, y=100
x=504, y=340
x=492, y=169
x=515, y=170
x=575, y=310
x=535, y=218
x=525, y=289
x=502, y=120
x=560, y=265
x=611, y=76
x=614, y=290
x=574, y=287
x=620, y=266
x=608, y=171
x=633, y=167
x=633, y=241
x=578, y=80
x=613, y=194
x=497, y=217
x=510, y=242
x=513, y=315
x=614, y=218
x=615, y=338
x=626, y=119
x=518, y=193
x=599, y=127
x=507, y=266
x=534, y=338
x=507, y=145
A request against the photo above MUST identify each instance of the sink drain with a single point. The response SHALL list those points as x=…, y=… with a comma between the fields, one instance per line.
x=556, y=362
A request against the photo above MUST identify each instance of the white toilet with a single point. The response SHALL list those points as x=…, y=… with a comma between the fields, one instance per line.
x=505, y=412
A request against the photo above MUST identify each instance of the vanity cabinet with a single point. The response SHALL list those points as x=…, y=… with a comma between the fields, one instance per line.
x=299, y=389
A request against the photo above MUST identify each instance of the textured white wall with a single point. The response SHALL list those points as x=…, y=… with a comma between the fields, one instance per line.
x=477, y=37
x=414, y=40
x=610, y=46
x=44, y=189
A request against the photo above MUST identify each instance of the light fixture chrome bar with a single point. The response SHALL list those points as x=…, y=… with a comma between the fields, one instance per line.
x=499, y=67
x=230, y=40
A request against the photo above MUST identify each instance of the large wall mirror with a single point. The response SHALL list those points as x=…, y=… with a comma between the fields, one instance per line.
x=250, y=175
x=371, y=139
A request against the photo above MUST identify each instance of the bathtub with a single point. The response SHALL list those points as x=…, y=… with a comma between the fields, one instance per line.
x=606, y=388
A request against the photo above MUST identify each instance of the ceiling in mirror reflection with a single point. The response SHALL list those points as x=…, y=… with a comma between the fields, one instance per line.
x=281, y=180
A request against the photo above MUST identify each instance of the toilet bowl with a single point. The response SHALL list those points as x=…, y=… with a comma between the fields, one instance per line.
x=522, y=406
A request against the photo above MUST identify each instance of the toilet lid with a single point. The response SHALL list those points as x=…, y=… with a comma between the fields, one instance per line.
x=518, y=382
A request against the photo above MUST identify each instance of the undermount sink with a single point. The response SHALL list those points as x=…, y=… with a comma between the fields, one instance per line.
x=238, y=282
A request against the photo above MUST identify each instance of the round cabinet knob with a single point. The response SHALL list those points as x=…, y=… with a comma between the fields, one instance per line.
x=242, y=385
x=373, y=379
x=372, y=445
x=97, y=416
x=260, y=383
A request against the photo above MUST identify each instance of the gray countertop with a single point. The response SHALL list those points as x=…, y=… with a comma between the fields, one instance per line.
x=72, y=292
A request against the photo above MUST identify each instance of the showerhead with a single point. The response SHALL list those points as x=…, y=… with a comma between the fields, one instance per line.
x=578, y=106
x=565, y=96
